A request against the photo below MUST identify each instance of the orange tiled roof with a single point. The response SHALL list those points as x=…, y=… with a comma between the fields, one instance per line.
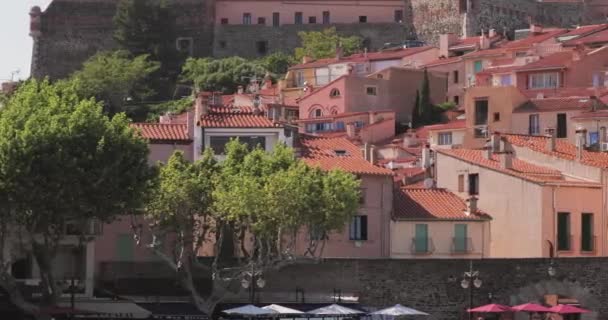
x=337, y=153
x=431, y=204
x=533, y=39
x=456, y=124
x=584, y=30
x=484, y=53
x=235, y=117
x=163, y=131
x=360, y=57
x=597, y=37
x=557, y=60
x=521, y=169
x=558, y=104
x=442, y=61
x=563, y=149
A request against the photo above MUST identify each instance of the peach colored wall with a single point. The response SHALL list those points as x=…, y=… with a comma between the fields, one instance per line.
x=378, y=208
x=520, y=122
x=321, y=99
x=377, y=132
x=510, y=201
x=415, y=60
x=308, y=75
x=162, y=152
x=441, y=234
x=457, y=138
x=500, y=99
x=341, y=11
x=453, y=88
x=576, y=201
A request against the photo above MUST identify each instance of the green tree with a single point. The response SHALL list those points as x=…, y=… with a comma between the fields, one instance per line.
x=115, y=78
x=424, y=103
x=323, y=44
x=254, y=201
x=277, y=63
x=223, y=75
x=62, y=161
x=415, y=118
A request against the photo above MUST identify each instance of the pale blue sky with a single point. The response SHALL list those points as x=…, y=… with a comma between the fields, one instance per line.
x=15, y=42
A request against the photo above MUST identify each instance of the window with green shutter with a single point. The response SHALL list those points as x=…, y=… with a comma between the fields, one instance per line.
x=421, y=240
x=125, y=247
x=587, y=238
x=563, y=231
x=478, y=66
x=460, y=238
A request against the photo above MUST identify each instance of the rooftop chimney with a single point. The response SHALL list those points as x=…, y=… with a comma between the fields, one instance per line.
x=201, y=105
x=495, y=142
x=535, y=29
x=350, y=130
x=506, y=160
x=492, y=33
x=306, y=59
x=426, y=156
x=551, y=141
x=372, y=155
x=472, y=206
x=240, y=90
x=487, y=152
x=484, y=41
x=372, y=117
x=366, y=151
x=581, y=137
x=445, y=42
x=339, y=52
x=578, y=53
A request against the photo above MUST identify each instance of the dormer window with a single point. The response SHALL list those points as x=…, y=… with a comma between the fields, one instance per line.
x=334, y=93
x=341, y=153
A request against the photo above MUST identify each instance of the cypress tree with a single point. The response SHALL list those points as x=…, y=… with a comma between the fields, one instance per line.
x=415, y=119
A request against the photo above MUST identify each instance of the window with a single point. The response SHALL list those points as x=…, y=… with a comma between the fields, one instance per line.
x=312, y=20
x=184, y=45
x=563, y=231
x=455, y=76
x=505, y=80
x=520, y=54
x=533, y=124
x=398, y=16
x=456, y=100
x=224, y=21
x=481, y=112
x=261, y=47
x=276, y=19
x=371, y=91
x=358, y=228
x=334, y=93
x=421, y=238
x=246, y=18
x=299, y=78
x=543, y=80
x=587, y=238
x=218, y=143
x=297, y=18
x=261, y=20
x=562, y=130
x=316, y=113
x=326, y=18
x=444, y=138
x=461, y=183
x=496, y=116
x=460, y=238
x=124, y=247
x=594, y=137
x=596, y=80
x=362, y=19
x=477, y=66
x=473, y=184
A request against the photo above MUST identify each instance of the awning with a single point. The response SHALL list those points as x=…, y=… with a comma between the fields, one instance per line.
x=109, y=309
x=174, y=311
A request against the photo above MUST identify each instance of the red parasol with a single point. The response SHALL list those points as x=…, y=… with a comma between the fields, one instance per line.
x=491, y=308
x=567, y=309
x=530, y=307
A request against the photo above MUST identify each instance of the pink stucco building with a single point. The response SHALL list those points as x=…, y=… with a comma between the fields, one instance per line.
x=277, y=13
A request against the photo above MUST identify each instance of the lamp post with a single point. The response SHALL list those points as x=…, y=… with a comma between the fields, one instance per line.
x=471, y=279
x=252, y=280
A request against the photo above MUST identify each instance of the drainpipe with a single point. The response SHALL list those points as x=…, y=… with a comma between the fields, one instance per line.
x=553, y=219
x=604, y=212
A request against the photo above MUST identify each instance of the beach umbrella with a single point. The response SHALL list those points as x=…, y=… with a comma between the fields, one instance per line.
x=278, y=309
x=530, y=307
x=567, y=309
x=249, y=310
x=334, y=310
x=399, y=310
x=491, y=308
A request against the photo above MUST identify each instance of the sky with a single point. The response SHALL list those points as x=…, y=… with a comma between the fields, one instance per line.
x=16, y=48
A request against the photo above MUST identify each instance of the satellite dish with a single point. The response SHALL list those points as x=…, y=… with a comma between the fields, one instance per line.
x=428, y=183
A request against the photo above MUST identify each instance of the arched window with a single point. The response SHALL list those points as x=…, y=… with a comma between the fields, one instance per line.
x=334, y=93
x=316, y=113
x=334, y=112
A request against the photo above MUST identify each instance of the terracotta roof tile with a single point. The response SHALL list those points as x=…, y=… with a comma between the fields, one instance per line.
x=558, y=104
x=584, y=30
x=442, y=61
x=557, y=60
x=533, y=39
x=235, y=117
x=456, y=124
x=337, y=153
x=597, y=37
x=163, y=131
x=521, y=169
x=431, y=204
x=360, y=57
x=484, y=53
x=563, y=149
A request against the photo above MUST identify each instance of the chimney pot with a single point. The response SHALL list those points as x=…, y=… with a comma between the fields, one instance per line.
x=472, y=205
x=551, y=141
x=426, y=156
x=506, y=160
x=372, y=155
x=350, y=130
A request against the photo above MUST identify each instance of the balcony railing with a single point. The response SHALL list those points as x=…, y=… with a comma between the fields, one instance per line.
x=589, y=244
x=462, y=245
x=422, y=246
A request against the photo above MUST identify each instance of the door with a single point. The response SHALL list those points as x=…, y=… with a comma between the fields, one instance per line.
x=460, y=238
x=562, y=130
x=421, y=241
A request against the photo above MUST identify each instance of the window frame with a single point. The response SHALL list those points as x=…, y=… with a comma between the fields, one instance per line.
x=543, y=80
x=373, y=92
x=276, y=19
x=298, y=17
x=534, y=124
x=473, y=184
x=358, y=228
x=362, y=19
x=444, y=138
x=247, y=18
x=563, y=242
x=326, y=17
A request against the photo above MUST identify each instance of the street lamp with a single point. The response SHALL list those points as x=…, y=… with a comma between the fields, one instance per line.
x=471, y=279
x=252, y=280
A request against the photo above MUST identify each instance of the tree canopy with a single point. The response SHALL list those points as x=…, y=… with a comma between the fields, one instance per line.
x=277, y=63
x=116, y=79
x=323, y=44
x=62, y=161
x=223, y=75
x=252, y=206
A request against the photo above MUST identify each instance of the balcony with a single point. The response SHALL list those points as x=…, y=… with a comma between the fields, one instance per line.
x=422, y=246
x=588, y=244
x=462, y=245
